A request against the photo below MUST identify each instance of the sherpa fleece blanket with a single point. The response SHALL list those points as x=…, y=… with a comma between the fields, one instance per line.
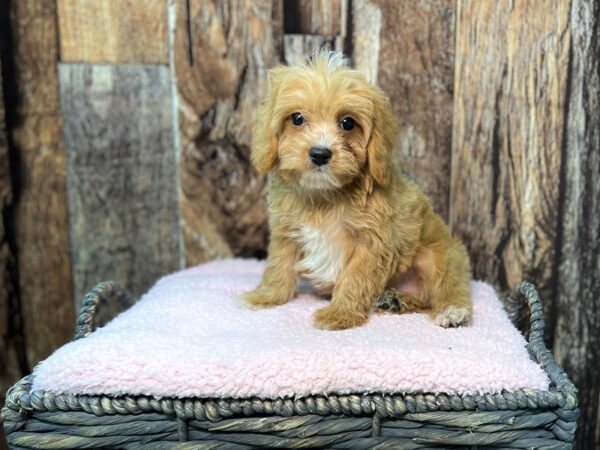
x=191, y=335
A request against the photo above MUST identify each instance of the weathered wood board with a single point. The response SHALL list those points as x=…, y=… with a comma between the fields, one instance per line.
x=407, y=48
x=221, y=53
x=525, y=165
x=10, y=370
x=509, y=110
x=104, y=31
x=365, y=37
x=299, y=47
x=577, y=322
x=8, y=361
x=123, y=212
x=320, y=17
x=310, y=26
x=39, y=182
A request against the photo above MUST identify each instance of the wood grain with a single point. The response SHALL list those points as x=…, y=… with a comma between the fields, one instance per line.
x=221, y=53
x=299, y=47
x=10, y=370
x=7, y=355
x=113, y=31
x=39, y=182
x=509, y=111
x=310, y=26
x=365, y=37
x=122, y=195
x=407, y=47
x=577, y=317
x=321, y=17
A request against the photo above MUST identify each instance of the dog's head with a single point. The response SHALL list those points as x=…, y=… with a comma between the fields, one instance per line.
x=323, y=125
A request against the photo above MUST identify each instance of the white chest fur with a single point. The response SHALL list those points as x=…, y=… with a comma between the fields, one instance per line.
x=323, y=254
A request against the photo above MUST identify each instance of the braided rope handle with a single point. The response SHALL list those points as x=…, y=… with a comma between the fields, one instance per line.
x=526, y=292
x=536, y=346
x=102, y=292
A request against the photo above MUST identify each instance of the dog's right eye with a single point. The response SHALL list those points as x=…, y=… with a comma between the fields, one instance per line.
x=297, y=119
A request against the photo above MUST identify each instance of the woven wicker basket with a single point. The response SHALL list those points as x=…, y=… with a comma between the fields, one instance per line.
x=521, y=419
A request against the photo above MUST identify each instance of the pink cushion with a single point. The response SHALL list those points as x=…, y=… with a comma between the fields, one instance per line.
x=191, y=335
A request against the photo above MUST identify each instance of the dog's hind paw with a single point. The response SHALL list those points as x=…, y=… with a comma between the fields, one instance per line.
x=453, y=316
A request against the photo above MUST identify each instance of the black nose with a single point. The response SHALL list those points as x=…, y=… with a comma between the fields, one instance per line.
x=320, y=155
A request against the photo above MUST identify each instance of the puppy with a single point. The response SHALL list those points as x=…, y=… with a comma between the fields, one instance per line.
x=340, y=216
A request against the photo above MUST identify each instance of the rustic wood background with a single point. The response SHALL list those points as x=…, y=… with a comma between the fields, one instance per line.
x=125, y=128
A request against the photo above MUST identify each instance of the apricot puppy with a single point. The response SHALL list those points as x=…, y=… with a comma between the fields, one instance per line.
x=340, y=215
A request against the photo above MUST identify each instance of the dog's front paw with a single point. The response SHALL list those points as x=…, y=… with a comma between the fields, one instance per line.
x=264, y=298
x=390, y=301
x=335, y=318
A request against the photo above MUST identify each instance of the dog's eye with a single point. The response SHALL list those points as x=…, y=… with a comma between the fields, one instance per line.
x=347, y=123
x=297, y=119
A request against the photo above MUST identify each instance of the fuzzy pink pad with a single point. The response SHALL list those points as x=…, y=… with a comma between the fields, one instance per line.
x=192, y=336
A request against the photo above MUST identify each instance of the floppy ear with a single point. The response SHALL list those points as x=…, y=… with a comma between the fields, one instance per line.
x=382, y=139
x=264, y=133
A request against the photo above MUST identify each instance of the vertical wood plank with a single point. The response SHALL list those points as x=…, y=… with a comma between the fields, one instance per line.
x=121, y=174
x=296, y=16
x=39, y=181
x=7, y=354
x=326, y=17
x=9, y=363
x=322, y=17
x=365, y=39
x=221, y=53
x=577, y=333
x=126, y=31
x=509, y=110
x=311, y=26
x=407, y=47
x=299, y=47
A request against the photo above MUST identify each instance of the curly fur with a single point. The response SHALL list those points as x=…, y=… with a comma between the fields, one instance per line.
x=355, y=226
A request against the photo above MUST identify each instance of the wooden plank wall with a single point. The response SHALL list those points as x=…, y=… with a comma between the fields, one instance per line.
x=524, y=154
x=220, y=61
x=124, y=220
x=10, y=365
x=419, y=86
x=126, y=152
x=113, y=31
x=576, y=325
x=41, y=311
x=508, y=134
x=310, y=25
x=39, y=181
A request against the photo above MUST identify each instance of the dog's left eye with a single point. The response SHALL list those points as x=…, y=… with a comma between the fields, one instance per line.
x=347, y=123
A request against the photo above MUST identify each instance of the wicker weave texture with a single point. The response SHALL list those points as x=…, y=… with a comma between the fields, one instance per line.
x=521, y=419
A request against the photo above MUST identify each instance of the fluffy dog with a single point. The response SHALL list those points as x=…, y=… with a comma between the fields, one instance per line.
x=340, y=216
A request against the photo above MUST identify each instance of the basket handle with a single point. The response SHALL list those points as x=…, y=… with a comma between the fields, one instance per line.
x=536, y=345
x=526, y=291
x=102, y=292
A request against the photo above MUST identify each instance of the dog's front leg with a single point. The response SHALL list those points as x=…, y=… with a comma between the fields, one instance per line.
x=362, y=280
x=280, y=278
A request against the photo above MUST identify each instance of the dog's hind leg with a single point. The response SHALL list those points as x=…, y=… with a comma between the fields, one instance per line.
x=448, y=286
x=438, y=283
